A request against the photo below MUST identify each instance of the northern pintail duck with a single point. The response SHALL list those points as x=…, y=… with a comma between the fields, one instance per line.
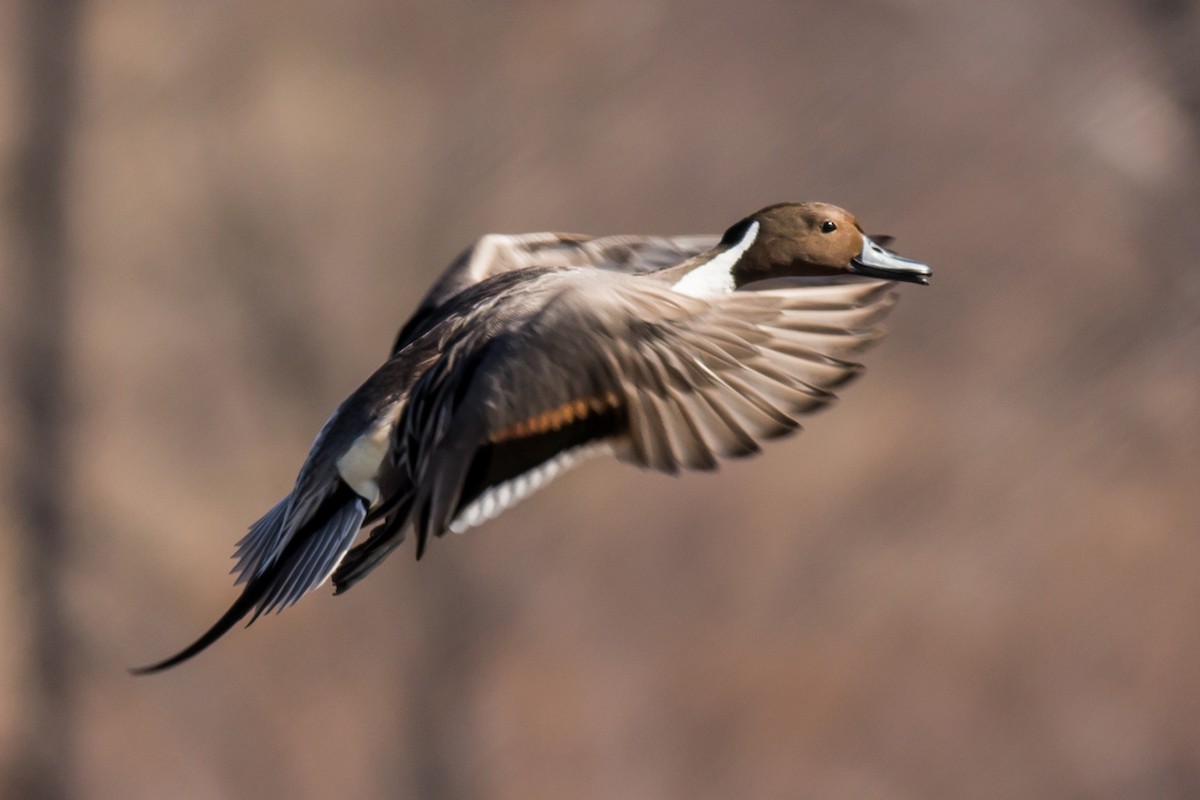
x=534, y=352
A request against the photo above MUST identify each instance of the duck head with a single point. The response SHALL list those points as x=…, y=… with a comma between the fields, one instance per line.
x=813, y=239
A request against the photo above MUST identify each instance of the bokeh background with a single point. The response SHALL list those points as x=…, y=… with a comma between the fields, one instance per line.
x=977, y=577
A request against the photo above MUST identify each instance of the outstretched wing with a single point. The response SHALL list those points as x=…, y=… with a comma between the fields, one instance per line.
x=498, y=253
x=664, y=380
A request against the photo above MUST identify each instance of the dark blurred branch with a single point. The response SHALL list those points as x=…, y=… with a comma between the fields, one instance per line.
x=1176, y=28
x=43, y=766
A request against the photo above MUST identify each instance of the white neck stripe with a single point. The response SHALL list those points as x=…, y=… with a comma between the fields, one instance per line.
x=716, y=277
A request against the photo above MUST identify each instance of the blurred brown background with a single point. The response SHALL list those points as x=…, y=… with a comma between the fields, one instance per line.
x=976, y=578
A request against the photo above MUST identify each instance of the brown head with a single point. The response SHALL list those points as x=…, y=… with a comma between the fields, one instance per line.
x=812, y=239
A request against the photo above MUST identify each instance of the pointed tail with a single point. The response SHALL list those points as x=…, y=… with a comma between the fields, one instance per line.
x=240, y=608
x=304, y=563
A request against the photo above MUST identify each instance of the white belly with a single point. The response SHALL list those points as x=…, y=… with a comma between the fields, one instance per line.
x=359, y=465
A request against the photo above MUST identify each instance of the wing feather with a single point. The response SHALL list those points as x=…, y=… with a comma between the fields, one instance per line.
x=497, y=253
x=696, y=379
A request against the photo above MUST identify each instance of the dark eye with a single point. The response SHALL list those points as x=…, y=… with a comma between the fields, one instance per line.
x=828, y=227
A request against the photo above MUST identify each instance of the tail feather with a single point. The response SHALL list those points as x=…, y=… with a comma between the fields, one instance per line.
x=261, y=544
x=240, y=608
x=361, y=560
x=316, y=557
x=304, y=563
